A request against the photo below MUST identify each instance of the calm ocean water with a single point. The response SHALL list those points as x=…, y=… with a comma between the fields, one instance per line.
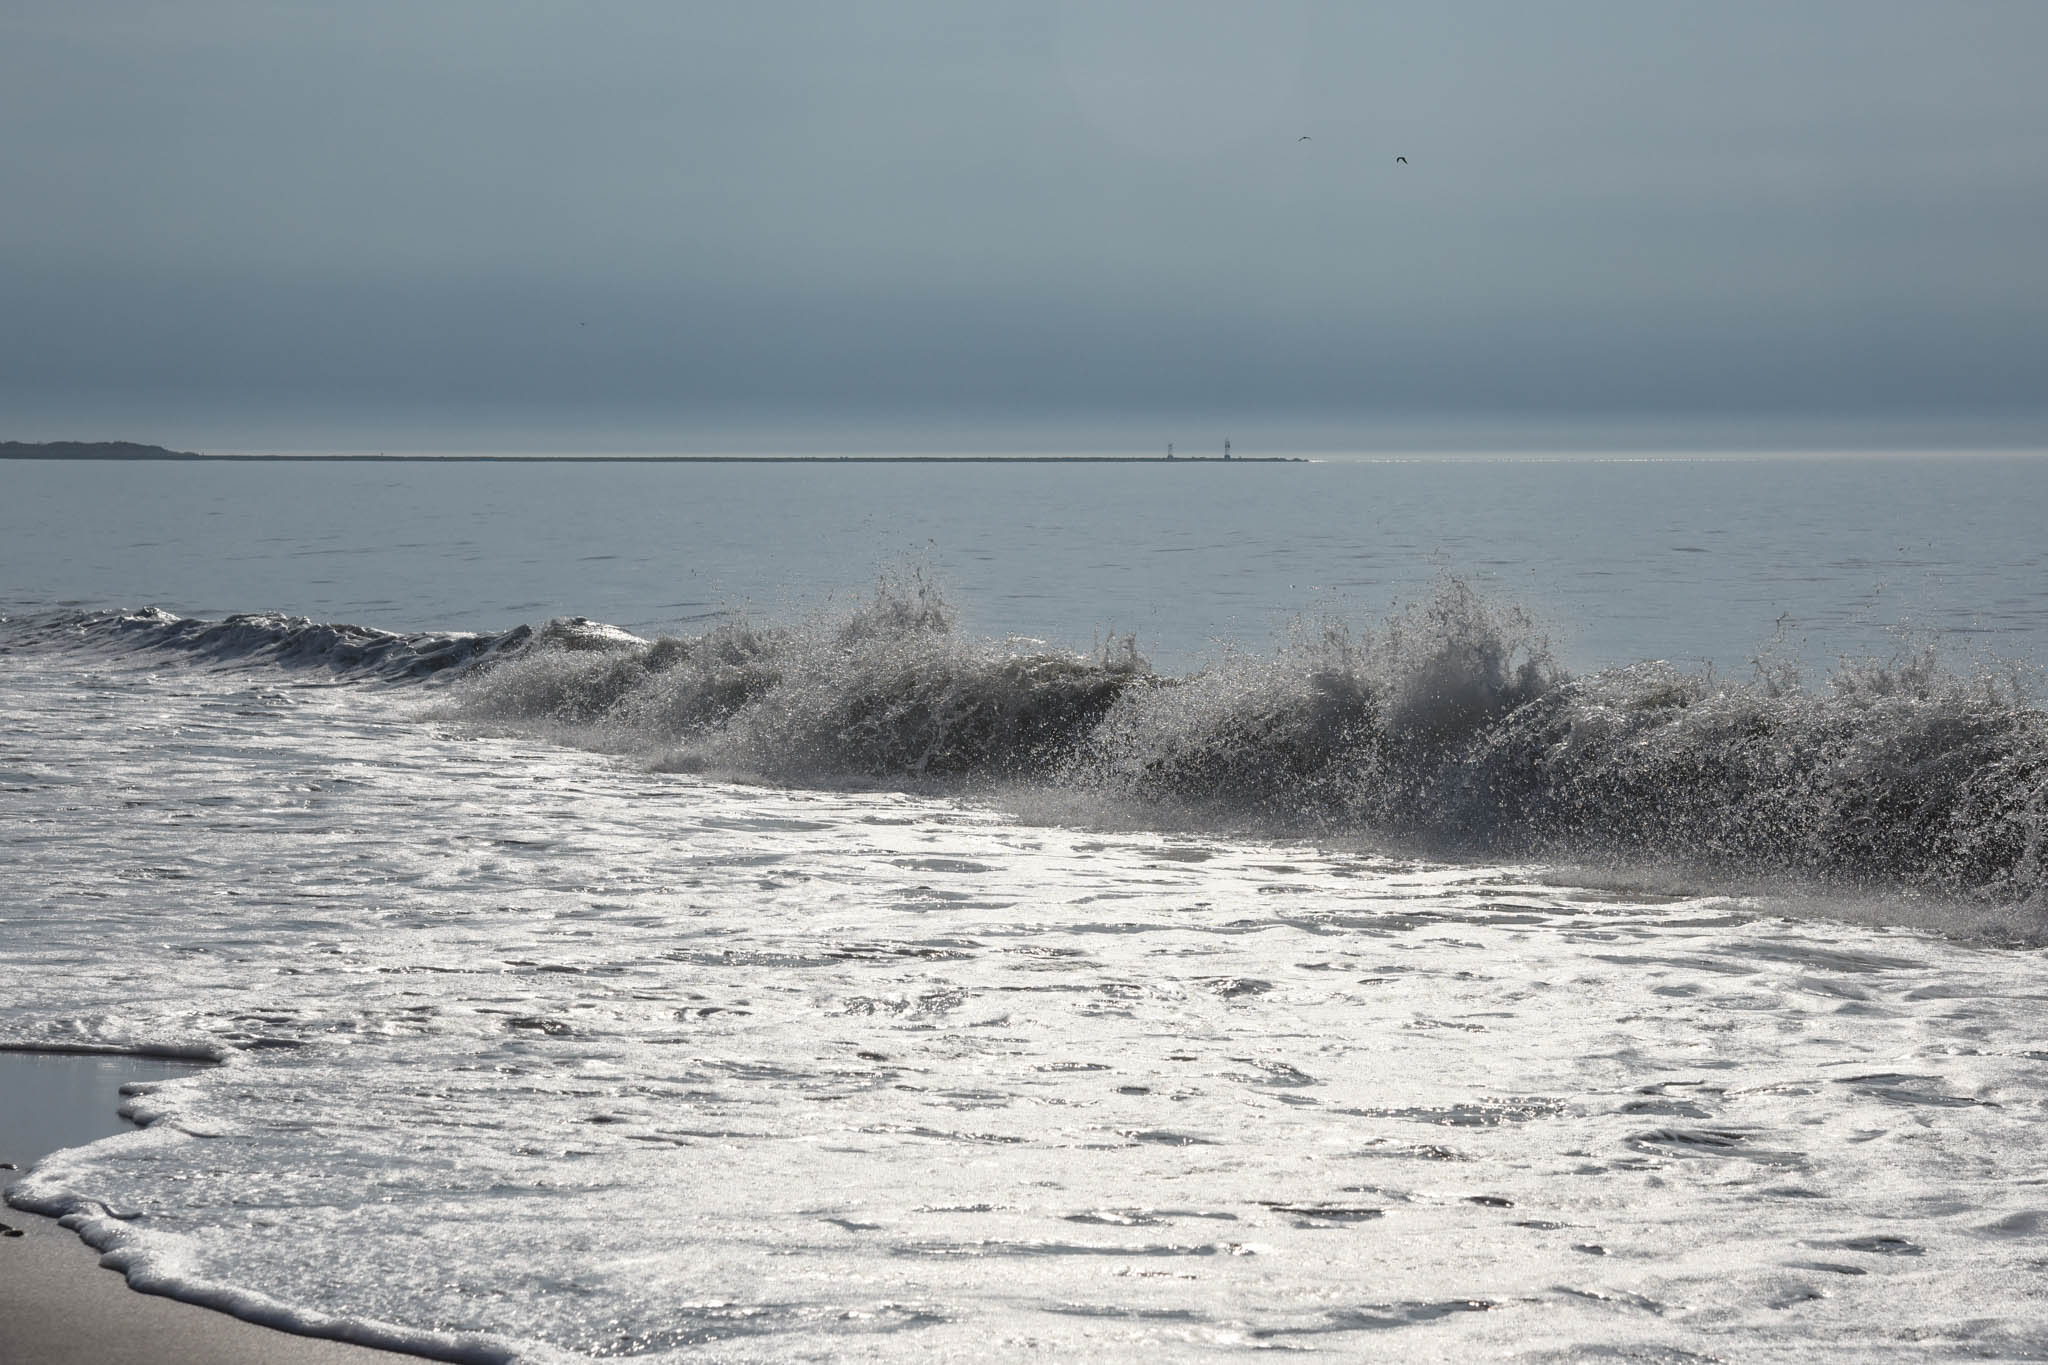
x=1688, y=560
x=853, y=982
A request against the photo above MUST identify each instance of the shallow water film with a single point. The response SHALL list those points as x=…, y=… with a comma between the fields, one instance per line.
x=539, y=1052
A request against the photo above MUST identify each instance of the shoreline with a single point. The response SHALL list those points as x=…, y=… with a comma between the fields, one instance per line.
x=59, y=1305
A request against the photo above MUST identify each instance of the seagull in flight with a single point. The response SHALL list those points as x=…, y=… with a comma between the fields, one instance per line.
x=1304, y=139
x=1402, y=160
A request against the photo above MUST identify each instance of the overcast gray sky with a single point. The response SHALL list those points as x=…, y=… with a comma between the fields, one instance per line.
x=667, y=225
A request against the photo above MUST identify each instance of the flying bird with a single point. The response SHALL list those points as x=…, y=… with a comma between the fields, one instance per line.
x=1402, y=159
x=1304, y=139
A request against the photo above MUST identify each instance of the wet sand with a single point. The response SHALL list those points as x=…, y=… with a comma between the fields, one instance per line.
x=57, y=1306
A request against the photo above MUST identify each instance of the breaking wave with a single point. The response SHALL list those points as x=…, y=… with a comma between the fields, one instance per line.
x=1448, y=725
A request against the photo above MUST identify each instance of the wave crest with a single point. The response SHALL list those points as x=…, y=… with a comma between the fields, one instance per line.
x=889, y=689
x=1897, y=773
x=1340, y=727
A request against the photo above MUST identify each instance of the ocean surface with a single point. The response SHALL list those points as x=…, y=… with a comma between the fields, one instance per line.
x=1433, y=910
x=1618, y=559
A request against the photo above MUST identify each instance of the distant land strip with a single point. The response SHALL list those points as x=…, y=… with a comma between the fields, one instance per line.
x=129, y=450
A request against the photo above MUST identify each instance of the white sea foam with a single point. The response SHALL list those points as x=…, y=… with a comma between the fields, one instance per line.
x=544, y=1053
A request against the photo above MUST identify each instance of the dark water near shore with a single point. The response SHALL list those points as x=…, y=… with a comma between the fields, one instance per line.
x=51, y=1100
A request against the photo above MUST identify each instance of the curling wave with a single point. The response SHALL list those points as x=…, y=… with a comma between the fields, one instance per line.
x=1448, y=724
x=267, y=639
